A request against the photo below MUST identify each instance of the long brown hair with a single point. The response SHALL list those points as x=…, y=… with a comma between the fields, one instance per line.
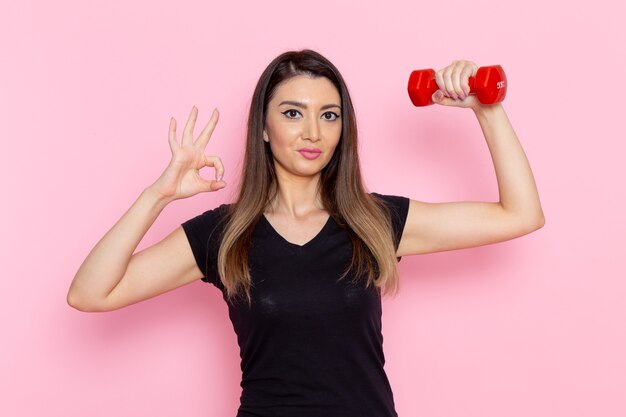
x=364, y=217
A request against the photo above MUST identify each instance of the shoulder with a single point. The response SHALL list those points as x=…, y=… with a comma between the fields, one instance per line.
x=397, y=207
x=219, y=212
x=210, y=219
x=398, y=210
x=399, y=204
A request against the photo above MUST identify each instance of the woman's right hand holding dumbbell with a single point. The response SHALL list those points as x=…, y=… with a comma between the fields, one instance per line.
x=181, y=178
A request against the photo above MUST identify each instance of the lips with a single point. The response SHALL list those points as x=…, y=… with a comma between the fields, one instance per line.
x=310, y=153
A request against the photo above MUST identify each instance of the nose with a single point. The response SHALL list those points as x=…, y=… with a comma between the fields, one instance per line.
x=312, y=130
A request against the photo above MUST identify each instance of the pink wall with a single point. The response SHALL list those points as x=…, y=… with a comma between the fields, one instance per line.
x=530, y=327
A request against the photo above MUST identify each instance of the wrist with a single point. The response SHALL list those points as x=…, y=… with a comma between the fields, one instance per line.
x=155, y=197
x=487, y=110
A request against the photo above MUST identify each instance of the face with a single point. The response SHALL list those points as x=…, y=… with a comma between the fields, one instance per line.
x=303, y=125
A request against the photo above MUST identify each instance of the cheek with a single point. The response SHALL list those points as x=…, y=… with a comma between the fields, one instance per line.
x=280, y=145
x=332, y=152
x=278, y=141
x=336, y=135
x=283, y=134
x=336, y=131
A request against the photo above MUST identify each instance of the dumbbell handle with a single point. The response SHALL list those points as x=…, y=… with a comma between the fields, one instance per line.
x=489, y=85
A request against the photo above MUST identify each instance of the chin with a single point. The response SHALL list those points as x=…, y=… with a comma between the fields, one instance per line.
x=305, y=171
x=301, y=168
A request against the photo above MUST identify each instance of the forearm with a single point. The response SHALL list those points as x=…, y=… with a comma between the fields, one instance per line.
x=516, y=184
x=107, y=262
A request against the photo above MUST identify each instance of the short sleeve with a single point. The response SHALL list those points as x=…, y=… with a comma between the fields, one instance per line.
x=399, y=209
x=204, y=233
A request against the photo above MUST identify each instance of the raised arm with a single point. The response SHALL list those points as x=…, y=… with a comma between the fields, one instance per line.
x=112, y=276
x=436, y=227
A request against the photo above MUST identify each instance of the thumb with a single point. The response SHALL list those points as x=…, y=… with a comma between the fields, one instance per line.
x=204, y=185
x=215, y=185
x=438, y=97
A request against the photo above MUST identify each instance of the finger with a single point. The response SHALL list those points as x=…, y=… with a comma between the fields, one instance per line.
x=439, y=80
x=439, y=98
x=211, y=185
x=442, y=88
x=217, y=185
x=172, y=136
x=216, y=162
x=447, y=80
x=457, y=72
x=188, y=132
x=472, y=72
x=465, y=74
x=206, y=133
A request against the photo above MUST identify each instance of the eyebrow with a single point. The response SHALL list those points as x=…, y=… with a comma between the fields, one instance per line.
x=304, y=106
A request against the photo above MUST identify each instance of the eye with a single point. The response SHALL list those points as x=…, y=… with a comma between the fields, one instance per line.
x=291, y=113
x=334, y=116
x=330, y=116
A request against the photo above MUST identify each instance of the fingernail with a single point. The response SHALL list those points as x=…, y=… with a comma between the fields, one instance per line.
x=439, y=94
x=219, y=178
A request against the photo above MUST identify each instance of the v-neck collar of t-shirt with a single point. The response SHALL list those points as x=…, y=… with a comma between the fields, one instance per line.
x=319, y=237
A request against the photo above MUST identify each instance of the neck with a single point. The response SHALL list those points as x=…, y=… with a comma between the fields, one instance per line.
x=296, y=196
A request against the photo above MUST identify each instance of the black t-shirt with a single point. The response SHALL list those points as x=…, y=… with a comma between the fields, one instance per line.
x=310, y=345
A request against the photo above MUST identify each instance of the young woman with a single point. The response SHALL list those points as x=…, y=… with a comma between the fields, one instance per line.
x=304, y=254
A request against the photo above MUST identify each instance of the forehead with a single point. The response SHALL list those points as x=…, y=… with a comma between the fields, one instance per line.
x=306, y=89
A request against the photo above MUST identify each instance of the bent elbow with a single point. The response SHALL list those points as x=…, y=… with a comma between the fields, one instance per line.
x=539, y=220
x=534, y=223
x=79, y=303
x=523, y=225
x=74, y=302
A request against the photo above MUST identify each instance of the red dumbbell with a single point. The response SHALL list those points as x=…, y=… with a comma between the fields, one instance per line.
x=489, y=85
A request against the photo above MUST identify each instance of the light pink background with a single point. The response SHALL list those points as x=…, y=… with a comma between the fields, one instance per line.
x=535, y=326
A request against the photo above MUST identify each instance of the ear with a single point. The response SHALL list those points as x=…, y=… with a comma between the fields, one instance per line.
x=265, y=137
